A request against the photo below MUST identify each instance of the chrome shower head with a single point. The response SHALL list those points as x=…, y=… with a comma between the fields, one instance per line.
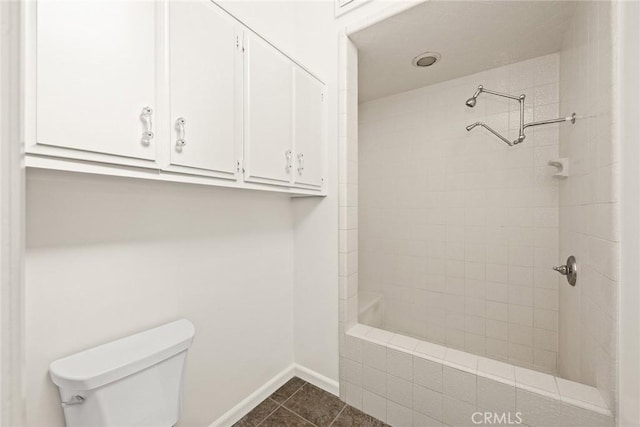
x=471, y=102
x=468, y=128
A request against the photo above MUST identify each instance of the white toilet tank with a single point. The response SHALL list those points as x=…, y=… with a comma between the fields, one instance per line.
x=132, y=382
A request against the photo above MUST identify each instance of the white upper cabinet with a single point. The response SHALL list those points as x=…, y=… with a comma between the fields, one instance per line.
x=268, y=122
x=171, y=90
x=309, y=129
x=206, y=86
x=95, y=78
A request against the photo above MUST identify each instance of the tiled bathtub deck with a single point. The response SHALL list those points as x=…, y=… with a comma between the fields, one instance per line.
x=406, y=382
x=300, y=404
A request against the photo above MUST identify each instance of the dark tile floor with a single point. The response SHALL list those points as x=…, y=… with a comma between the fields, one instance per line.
x=300, y=404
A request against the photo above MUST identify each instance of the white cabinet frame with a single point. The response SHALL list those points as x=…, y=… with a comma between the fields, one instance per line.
x=36, y=150
x=50, y=157
x=235, y=171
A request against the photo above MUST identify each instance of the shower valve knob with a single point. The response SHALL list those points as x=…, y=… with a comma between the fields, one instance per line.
x=570, y=270
x=562, y=269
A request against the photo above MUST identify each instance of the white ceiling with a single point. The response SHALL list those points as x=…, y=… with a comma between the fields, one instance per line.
x=472, y=36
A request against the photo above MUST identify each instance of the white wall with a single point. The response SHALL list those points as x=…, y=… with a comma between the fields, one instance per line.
x=458, y=231
x=107, y=257
x=133, y=254
x=628, y=107
x=316, y=294
x=589, y=225
x=316, y=220
x=309, y=35
x=11, y=218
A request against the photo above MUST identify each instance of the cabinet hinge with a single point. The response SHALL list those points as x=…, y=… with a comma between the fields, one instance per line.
x=237, y=41
x=240, y=166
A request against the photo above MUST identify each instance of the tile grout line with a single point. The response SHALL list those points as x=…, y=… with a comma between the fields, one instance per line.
x=291, y=410
x=282, y=405
x=338, y=416
x=292, y=394
x=279, y=404
x=270, y=413
x=299, y=416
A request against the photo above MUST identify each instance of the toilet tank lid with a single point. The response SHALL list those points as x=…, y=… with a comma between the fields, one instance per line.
x=112, y=361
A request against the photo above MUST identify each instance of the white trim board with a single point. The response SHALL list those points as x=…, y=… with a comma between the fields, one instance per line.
x=318, y=380
x=12, y=196
x=294, y=370
x=627, y=109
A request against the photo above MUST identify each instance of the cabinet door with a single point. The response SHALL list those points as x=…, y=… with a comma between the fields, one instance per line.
x=268, y=113
x=309, y=129
x=95, y=76
x=205, y=51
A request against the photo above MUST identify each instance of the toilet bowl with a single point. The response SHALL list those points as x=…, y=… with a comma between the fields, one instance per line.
x=134, y=381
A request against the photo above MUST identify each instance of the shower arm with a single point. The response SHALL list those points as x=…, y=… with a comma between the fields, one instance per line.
x=523, y=126
x=520, y=100
x=493, y=92
x=571, y=118
x=487, y=127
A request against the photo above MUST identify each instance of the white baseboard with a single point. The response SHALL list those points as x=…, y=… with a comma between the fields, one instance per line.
x=318, y=380
x=251, y=401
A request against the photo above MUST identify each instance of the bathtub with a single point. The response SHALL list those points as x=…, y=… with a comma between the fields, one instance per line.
x=370, y=309
x=409, y=382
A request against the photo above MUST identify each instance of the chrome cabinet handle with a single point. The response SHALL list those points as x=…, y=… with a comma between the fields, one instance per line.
x=147, y=120
x=300, y=163
x=288, y=155
x=180, y=142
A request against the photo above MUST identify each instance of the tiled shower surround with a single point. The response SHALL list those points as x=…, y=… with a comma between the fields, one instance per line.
x=406, y=382
x=520, y=312
x=457, y=231
x=589, y=202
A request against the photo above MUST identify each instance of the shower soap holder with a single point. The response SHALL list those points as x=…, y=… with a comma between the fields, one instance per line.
x=562, y=164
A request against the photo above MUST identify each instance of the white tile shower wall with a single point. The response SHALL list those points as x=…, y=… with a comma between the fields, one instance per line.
x=348, y=200
x=424, y=384
x=458, y=231
x=368, y=13
x=589, y=202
